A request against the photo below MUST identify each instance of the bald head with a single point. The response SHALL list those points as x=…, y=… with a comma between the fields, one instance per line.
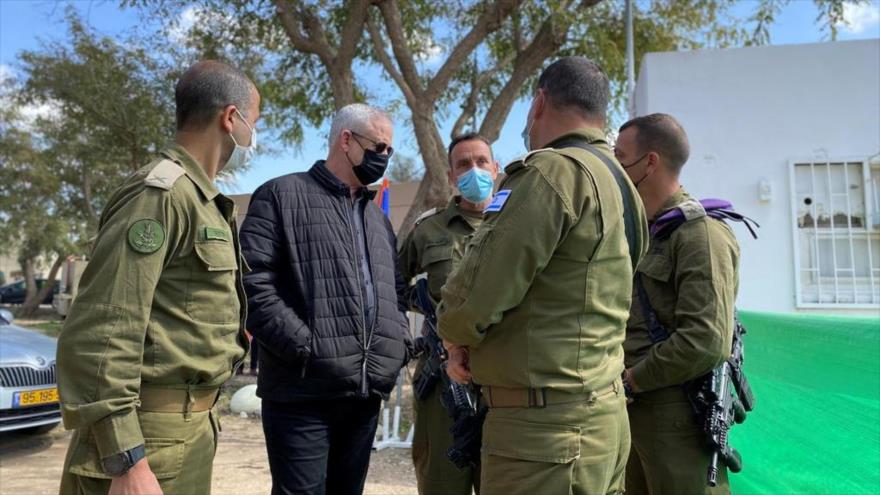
x=208, y=87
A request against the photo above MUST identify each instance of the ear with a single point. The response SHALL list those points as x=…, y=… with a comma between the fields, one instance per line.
x=653, y=162
x=450, y=176
x=227, y=119
x=497, y=170
x=540, y=104
x=345, y=140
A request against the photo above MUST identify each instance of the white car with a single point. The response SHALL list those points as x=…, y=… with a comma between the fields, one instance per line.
x=28, y=390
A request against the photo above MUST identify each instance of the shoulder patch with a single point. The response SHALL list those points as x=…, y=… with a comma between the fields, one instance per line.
x=692, y=210
x=164, y=175
x=429, y=213
x=146, y=235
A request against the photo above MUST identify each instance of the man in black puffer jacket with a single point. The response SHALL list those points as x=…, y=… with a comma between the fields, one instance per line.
x=323, y=306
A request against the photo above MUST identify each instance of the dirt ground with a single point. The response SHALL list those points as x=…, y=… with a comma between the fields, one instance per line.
x=31, y=464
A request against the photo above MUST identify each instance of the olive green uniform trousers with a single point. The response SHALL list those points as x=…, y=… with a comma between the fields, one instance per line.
x=669, y=455
x=436, y=474
x=577, y=448
x=172, y=441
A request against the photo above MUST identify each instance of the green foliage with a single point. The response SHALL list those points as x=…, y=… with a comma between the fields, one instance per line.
x=404, y=169
x=107, y=109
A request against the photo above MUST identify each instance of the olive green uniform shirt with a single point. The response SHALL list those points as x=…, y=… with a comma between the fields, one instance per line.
x=691, y=281
x=160, y=304
x=542, y=294
x=436, y=243
x=434, y=247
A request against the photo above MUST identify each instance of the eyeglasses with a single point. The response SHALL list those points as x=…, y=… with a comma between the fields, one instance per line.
x=380, y=147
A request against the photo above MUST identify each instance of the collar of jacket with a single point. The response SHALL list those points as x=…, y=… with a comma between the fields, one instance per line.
x=179, y=155
x=676, y=199
x=591, y=135
x=454, y=210
x=325, y=177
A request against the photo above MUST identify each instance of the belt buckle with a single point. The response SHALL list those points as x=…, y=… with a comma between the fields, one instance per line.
x=537, y=397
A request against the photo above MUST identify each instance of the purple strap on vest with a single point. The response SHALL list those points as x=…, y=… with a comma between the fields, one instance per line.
x=718, y=209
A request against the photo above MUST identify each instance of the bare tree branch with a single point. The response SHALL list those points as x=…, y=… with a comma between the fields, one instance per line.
x=546, y=42
x=312, y=24
x=387, y=63
x=293, y=29
x=352, y=30
x=469, y=109
x=394, y=26
x=488, y=22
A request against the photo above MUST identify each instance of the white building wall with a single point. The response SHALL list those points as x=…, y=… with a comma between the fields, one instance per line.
x=748, y=112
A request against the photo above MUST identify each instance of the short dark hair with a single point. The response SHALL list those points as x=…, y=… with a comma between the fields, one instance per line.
x=661, y=133
x=468, y=136
x=208, y=87
x=577, y=84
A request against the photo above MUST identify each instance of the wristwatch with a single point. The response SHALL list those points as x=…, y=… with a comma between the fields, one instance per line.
x=119, y=464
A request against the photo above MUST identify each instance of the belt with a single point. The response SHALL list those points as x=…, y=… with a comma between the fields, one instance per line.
x=173, y=400
x=541, y=397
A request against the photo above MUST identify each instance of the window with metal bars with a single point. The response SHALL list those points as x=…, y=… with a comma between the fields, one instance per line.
x=836, y=233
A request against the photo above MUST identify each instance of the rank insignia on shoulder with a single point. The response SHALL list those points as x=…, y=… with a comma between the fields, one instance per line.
x=146, y=236
x=429, y=213
x=498, y=201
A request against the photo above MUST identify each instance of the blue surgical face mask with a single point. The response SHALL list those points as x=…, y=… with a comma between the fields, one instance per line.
x=476, y=185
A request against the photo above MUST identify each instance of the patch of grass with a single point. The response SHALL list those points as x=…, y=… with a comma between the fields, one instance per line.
x=50, y=328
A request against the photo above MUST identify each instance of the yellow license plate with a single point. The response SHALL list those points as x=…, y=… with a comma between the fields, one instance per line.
x=35, y=397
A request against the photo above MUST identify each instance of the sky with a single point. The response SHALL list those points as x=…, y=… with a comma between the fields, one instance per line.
x=25, y=23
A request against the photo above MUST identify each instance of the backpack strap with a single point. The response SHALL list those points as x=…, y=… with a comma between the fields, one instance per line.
x=629, y=204
x=718, y=209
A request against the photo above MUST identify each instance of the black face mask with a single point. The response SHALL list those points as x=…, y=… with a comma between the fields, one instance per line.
x=371, y=168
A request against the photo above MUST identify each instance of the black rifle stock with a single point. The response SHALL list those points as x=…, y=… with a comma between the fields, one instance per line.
x=459, y=400
x=722, y=398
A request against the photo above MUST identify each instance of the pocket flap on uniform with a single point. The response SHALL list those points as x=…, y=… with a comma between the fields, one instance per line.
x=531, y=441
x=657, y=267
x=438, y=251
x=165, y=456
x=217, y=256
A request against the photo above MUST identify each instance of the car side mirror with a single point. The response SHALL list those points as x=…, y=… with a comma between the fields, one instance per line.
x=6, y=316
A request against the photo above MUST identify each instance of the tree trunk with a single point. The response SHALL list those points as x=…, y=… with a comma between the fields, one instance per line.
x=33, y=301
x=30, y=276
x=434, y=189
x=342, y=85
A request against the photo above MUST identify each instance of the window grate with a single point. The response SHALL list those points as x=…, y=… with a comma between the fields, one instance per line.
x=837, y=233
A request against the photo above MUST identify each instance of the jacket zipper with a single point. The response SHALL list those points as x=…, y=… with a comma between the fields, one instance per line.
x=364, y=390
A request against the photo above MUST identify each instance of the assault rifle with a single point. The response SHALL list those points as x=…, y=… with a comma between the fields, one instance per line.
x=459, y=400
x=722, y=398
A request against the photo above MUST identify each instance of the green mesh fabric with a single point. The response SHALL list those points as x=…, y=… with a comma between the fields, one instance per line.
x=816, y=423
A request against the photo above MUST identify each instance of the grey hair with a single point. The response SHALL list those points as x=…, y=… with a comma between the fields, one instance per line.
x=355, y=117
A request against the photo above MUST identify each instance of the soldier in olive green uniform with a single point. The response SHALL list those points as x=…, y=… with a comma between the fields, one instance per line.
x=157, y=326
x=690, y=280
x=536, y=310
x=433, y=247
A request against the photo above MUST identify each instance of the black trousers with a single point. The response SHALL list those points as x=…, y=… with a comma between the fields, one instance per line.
x=320, y=447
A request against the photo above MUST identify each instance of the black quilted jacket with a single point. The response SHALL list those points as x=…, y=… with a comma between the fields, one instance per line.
x=305, y=305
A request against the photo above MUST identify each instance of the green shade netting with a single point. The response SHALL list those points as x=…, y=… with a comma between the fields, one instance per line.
x=816, y=423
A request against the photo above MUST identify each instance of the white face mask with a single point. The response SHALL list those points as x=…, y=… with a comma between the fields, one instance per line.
x=241, y=156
